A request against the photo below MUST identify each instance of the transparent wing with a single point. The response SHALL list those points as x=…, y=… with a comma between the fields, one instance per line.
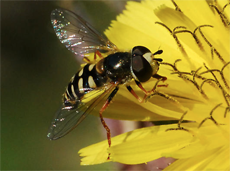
x=66, y=120
x=77, y=35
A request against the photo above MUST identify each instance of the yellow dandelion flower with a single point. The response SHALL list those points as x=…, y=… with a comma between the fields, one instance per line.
x=194, y=36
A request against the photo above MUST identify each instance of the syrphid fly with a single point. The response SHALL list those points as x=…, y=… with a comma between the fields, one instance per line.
x=98, y=79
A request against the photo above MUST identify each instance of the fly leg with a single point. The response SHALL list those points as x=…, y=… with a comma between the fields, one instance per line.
x=101, y=117
x=136, y=96
x=147, y=93
x=162, y=78
x=157, y=76
x=133, y=93
x=96, y=53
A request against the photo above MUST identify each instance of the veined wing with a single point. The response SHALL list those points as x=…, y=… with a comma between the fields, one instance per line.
x=66, y=120
x=78, y=35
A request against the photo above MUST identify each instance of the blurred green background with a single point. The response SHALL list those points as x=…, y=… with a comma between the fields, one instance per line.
x=35, y=69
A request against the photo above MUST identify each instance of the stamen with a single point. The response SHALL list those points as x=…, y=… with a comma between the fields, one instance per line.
x=195, y=73
x=174, y=32
x=216, y=80
x=198, y=87
x=226, y=6
x=213, y=49
x=179, y=27
x=197, y=40
x=175, y=37
x=225, y=94
x=168, y=97
x=223, y=18
x=172, y=65
x=193, y=35
x=177, y=8
x=211, y=118
x=164, y=26
x=181, y=73
x=226, y=111
x=178, y=60
x=216, y=70
x=207, y=80
x=192, y=73
x=179, y=124
x=222, y=75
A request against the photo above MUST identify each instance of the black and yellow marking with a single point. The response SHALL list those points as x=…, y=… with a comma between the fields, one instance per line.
x=86, y=80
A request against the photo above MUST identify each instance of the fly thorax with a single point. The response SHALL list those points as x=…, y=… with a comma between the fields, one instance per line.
x=117, y=66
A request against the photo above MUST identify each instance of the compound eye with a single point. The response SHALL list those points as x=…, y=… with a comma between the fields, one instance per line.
x=140, y=50
x=140, y=67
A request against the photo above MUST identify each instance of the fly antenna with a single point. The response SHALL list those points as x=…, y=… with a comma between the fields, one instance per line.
x=158, y=52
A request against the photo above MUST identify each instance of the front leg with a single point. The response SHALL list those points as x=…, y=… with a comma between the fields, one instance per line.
x=157, y=76
x=147, y=93
x=96, y=54
x=106, y=104
x=161, y=78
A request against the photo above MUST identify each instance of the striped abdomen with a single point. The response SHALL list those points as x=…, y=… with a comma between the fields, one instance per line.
x=87, y=79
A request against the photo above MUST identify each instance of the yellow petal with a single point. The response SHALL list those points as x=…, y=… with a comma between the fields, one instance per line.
x=146, y=143
x=203, y=93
